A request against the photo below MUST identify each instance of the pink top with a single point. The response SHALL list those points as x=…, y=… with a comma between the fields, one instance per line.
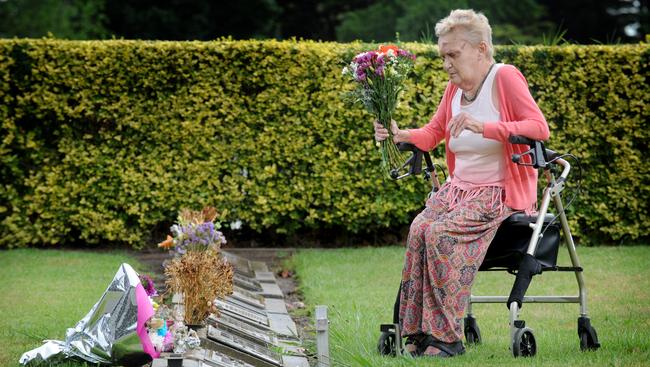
x=520, y=115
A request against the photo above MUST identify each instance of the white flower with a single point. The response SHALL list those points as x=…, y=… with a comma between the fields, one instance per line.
x=235, y=225
x=176, y=231
x=354, y=66
x=345, y=71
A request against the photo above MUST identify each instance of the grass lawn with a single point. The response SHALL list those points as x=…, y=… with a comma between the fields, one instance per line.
x=359, y=287
x=44, y=292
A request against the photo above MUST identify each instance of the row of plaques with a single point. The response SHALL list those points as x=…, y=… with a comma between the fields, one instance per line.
x=252, y=328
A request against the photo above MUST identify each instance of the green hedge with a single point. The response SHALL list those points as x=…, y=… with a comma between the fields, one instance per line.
x=105, y=141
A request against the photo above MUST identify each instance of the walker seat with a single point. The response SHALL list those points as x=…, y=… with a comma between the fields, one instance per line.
x=511, y=243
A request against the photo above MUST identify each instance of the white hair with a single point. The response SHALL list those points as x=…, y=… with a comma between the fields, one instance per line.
x=475, y=27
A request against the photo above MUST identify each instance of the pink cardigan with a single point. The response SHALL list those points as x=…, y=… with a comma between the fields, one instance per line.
x=520, y=115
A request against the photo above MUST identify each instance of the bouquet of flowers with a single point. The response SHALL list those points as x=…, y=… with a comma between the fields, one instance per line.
x=379, y=77
x=195, y=231
x=198, y=272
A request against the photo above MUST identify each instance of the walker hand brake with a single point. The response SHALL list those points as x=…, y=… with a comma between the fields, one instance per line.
x=536, y=151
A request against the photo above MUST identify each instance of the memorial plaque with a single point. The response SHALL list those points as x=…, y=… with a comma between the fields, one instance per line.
x=238, y=323
x=190, y=359
x=217, y=359
x=271, y=290
x=246, y=306
x=240, y=264
x=274, y=305
x=254, y=349
x=283, y=325
x=250, y=298
x=240, y=312
x=258, y=266
x=294, y=361
x=247, y=283
x=256, y=332
x=162, y=362
x=265, y=277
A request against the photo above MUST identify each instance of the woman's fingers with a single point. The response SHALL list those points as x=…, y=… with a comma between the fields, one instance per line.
x=379, y=136
x=459, y=123
x=456, y=125
x=381, y=133
x=393, y=127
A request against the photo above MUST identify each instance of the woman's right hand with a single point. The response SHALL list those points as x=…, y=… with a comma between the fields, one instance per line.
x=381, y=133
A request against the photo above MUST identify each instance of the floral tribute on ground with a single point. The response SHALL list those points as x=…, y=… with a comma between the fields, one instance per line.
x=379, y=79
x=198, y=272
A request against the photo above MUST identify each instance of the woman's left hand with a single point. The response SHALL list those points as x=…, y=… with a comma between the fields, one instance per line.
x=464, y=121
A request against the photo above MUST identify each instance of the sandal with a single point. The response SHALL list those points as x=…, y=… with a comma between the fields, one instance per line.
x=445, y=350
x=412, y=344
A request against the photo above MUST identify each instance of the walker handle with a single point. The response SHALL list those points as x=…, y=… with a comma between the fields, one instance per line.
x=537, y=151
x=519, y=139
x=414, y=163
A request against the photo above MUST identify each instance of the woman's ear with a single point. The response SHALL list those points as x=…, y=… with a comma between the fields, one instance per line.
x=482, y=48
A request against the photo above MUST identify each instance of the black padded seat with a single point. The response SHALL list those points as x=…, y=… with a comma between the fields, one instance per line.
x=511, y=243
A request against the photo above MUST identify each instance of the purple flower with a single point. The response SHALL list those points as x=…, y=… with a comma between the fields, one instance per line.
x=365, y=57
x=380, y=60
x=147, y=284
x=198, y=237
x=405, y=53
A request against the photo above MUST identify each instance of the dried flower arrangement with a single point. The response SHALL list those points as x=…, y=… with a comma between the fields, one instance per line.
x=198, y=272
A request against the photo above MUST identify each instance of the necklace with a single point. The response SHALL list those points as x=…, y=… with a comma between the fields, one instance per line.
x=470, y=100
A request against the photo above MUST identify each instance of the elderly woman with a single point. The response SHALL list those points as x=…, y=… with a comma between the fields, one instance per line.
x=483, y=104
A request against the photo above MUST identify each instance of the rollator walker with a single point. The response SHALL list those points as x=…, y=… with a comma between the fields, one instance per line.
x=523, y=246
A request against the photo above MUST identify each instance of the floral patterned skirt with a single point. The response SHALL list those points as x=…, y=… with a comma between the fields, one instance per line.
x=446, y=245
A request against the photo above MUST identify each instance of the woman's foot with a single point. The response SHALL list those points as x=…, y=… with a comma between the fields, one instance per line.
x=412, y=344
x=432, y=351
x=410, y=348
x=431, y=347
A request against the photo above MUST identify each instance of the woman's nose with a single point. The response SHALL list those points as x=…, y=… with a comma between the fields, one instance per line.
x=446, y=64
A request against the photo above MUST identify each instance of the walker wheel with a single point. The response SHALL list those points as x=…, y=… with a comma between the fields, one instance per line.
x=587, y=334
x=386, y=344
x=472, y=331
x=524, y=344
x=587, y=341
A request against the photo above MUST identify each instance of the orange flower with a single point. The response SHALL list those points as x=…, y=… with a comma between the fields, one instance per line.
x=168, y=243
x=385, y=48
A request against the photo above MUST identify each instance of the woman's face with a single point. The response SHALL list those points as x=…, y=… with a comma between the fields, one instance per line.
x=460, y=60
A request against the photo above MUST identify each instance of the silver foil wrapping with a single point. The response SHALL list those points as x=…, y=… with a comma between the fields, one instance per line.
x=107, y=334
